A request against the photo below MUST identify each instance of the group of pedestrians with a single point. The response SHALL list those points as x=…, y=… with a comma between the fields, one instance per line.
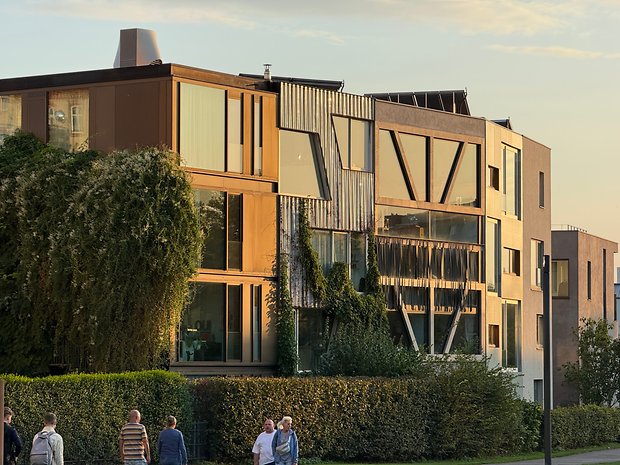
x=133, y=443
x=276, y=446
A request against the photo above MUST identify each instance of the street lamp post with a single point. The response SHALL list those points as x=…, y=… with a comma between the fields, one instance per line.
x=547, y=361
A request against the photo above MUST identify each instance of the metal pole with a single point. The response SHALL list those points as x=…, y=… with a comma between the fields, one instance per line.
x=547, y=361
x=2, y=405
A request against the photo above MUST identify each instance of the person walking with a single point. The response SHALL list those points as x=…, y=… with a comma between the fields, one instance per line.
x=263, y=454
x=133, y=442
x=47, y=445
x=12, y=441
x=284, y=444
x=171, y=447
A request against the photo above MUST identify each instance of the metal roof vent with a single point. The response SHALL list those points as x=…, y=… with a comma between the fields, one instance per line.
x=137, y=47
x=267, y=73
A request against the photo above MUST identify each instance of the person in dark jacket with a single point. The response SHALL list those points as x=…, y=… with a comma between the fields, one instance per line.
x=171, y=447
x=12, y=441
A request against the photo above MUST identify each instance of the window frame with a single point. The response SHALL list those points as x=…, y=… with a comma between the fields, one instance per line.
x=518, y=335
x=537, y=249
x=348, y=157
x=256, y=309
x=518, y=207
x=554, y=284
x=540, y=331
x=511, y=261
x=541, y=189
x=349, y=249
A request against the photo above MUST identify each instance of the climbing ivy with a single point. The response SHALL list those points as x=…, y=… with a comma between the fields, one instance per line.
x=103, y=246
x=310, y=258
x=285, y=324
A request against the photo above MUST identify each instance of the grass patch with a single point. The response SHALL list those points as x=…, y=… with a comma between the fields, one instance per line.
x=497, y=459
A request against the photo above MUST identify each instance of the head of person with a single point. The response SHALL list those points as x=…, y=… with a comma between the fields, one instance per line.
x=50, y=419
x=171, y=422
x=134, y=416
x=268, y=426
x=8, y=414
x=285, y=424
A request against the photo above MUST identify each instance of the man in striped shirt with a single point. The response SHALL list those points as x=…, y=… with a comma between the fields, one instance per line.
x=133, y=442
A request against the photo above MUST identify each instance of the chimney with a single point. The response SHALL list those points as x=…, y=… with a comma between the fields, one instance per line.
x=137, y=47
x=267, y=73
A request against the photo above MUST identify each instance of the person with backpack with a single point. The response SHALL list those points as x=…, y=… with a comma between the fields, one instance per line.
x=47, y=445
x=12, y=441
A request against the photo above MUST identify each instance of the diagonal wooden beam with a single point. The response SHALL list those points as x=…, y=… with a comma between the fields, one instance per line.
x=456, y=164
x=405, y=166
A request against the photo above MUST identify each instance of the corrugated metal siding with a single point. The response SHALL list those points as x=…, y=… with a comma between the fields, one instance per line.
x=351, y=203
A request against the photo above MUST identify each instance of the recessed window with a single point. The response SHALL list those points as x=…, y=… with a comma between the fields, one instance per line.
x=589, y=271
x=222, y=226
x=342, y=247
x=511, y=343
x=67, y=122
x=511, y=261
x=537, y=255
x=415, y=149
x=301, y=165
x=353, y=137
x=391, y=180
x=493, y=246
x=539, y=391
x=234, y=131
x=540, y=330
x=257, y=321
x=233, y=335
x=309, y=331
x=464, y=187
x=444, y=154
x=559, y=278
x=494, y=177
x=541, y=189
x=494, y=335
x=257, y=163
x=512, y=181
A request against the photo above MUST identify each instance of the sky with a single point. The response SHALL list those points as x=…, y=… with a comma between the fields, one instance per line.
x=551, y=66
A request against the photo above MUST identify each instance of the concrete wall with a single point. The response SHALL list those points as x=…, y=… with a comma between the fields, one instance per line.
x=578, y=248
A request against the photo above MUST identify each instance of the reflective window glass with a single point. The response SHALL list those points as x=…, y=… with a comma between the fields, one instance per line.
x=512, y=181
x=234, y=231
x=493, y=255
x=559, y=278
x=537, y=256
x=402, y=222
x=257, y=319
x=358, y=260
x=67, y=122
x=341, y=126
x=322, y=243
x=299, y=166
x=511, y=347
x=360, y=145
x=235, y=136
x=201, y=335
x=467, y=335
x=391, y=179
x=454, y=227
x=258, y=136
x=211, y=206
x=341, y=249
x=309, y=338
x=415, y=153
x=444, y=152
x=202, y=126
x=10, y=115
x=234, y=323
x=465, y=184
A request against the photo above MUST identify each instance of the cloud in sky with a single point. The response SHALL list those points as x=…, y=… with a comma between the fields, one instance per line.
x=565, y=52
x=501, y=17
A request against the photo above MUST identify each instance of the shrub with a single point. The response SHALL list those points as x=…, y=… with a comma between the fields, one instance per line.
x=92, y=408
x=585, y=425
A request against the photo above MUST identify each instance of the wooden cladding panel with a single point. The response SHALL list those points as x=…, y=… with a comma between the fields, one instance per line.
x=259, y=233
x=101, y=120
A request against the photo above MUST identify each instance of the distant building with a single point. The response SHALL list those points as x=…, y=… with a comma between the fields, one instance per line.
x=460, y=205
x=582, y=286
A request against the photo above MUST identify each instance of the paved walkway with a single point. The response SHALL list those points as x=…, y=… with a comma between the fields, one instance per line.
x=599, y=456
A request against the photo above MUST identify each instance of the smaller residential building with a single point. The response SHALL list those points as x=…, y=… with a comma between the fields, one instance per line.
x=581, y=287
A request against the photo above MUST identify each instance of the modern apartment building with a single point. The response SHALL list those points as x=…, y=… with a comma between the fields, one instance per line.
x=460, y=205
x=582, y=287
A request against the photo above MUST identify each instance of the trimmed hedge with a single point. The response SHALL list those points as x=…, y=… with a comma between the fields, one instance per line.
x=461, y=412
x=92, y=408
x=586, y=425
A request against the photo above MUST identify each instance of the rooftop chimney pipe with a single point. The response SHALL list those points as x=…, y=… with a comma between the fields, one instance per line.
x=137, y=47
x=267, y=73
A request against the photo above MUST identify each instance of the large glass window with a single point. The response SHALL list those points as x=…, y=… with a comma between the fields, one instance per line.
x=465, y=184
x=257, y=164
x=511, y=344
x=347, y=248
x=221, y=221
x=415, y=148
x=537, y=251
x=467, y=335
x=358, y=260
x=322, y=243
x=300, y=166
x=467, y=332
x=234, y=323
x=67, y=122
x=235, y=135
x=354, y=142
x=454, y=227
x=310, y=347
x=10, y=115
x=559, y=278
x=512, y=181
x=493, y=244
x=202, y=126
x=391, y=179
x=444, y=153
x=201, y=335
x=257, y=321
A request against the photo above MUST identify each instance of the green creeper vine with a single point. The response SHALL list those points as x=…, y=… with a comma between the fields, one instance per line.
x=285, y=324
x=103, y=247
x=310, y=258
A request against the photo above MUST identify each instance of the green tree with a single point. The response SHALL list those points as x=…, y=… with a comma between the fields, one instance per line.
x=597, y=373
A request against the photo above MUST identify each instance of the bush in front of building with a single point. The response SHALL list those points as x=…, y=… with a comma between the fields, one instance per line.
x=458, y=409
x=91, y=408
x=584, y=425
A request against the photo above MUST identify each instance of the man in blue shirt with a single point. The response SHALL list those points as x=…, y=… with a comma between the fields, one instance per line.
x=171, y=447
x=12, y=441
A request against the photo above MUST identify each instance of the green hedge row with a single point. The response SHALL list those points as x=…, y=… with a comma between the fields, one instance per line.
x=462, y=412
x=582, y=426
x=92, y=408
